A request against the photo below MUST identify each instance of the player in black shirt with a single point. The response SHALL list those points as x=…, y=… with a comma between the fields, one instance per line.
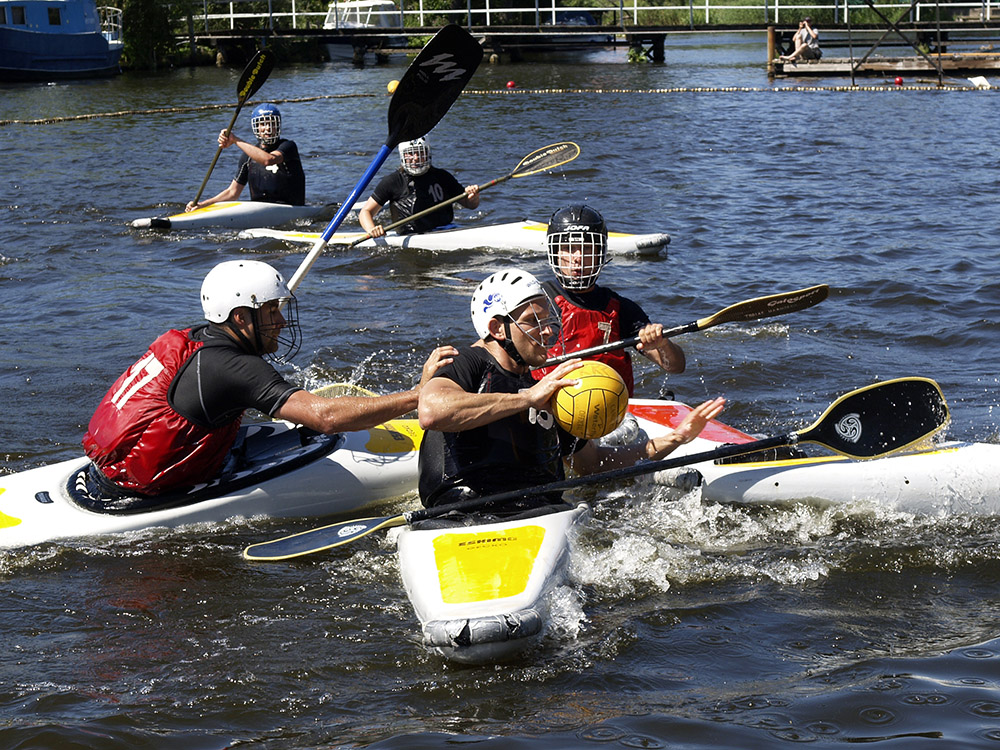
x=412, y=188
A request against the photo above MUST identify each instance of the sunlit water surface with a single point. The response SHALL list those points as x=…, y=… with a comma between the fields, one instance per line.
x=682, y=624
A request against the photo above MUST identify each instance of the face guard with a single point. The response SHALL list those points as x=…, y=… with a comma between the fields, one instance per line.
x=415, y=156
x=577, y=258
x=266, y=124
x=577, y=246
x=252, y=284
x=543, y=328
x=287, y=337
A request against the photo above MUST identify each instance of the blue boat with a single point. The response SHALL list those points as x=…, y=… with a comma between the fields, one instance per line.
x=45, y=40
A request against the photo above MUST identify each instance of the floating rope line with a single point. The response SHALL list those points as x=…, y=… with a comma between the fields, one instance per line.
x=513, y=92
x=162, y=110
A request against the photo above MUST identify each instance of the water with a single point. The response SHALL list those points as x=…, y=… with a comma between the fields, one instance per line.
x=683, y=624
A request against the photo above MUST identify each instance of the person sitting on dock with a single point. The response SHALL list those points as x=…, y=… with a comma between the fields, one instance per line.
x=170, y=420
x=805, y=43
x=415, y=186
x=489, y=424
x=272, y=168
x=593, y=315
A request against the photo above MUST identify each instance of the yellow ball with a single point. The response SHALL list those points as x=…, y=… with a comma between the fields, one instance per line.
x=596, y=406
x=391, y=86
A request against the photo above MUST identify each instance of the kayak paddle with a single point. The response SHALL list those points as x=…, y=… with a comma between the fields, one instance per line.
x=426, y=91
x=540, y=160
x=751, y=309
x=867, y=423
x=254, y=75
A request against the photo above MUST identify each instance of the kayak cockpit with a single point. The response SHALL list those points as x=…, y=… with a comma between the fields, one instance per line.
x=261, y=452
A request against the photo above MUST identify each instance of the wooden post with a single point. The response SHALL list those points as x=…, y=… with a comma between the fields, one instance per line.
x=770, y=51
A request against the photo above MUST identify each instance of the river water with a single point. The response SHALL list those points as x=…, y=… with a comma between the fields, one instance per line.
x=683, y=624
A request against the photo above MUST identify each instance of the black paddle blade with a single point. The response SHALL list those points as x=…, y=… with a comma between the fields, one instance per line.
x=769, y=306
x=881, y=418
x=254, y=75
x=432, y=83
x=318, y=540
x=546, y=158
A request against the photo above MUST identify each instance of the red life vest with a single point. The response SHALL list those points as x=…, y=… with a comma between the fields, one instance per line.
x=582, y=329
x=139, y=441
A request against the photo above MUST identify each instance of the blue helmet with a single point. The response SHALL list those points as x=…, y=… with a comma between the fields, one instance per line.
x=265, y=121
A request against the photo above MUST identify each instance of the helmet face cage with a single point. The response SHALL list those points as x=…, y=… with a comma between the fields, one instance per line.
x=550, y=320
x=415, y=156
x=266, y=124
x=577, y=257
x=289, y=336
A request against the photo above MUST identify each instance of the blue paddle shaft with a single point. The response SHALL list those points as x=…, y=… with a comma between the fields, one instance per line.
x=377, y=162
x=336, y=221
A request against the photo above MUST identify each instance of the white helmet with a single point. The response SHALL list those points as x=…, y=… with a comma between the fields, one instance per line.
x=501, y=294
x=240, y=283
x=251, y=283
x=415, y=156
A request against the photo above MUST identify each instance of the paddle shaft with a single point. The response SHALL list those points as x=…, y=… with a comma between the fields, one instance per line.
x=869, y=422
x=211, y=167
x=338, y=219
x=540, y=160
x=252, y=78
x=627, y=472
x=752, y=309
x=432, y=209
x=425, y=93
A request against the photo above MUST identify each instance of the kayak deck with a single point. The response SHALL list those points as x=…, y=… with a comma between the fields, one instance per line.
x=481, y=591
x=517, y=236
x=237, y=215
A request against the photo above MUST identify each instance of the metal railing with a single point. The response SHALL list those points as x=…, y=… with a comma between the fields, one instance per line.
x=624, y=14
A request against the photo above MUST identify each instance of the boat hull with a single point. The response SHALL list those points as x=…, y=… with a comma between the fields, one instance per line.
x=29, y=55
x=236, y=215
x=360, y=468
x=951, y=478
x=518, y=236
x=481, y=592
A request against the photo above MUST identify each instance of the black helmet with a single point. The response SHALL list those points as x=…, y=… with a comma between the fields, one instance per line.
x=580, y=236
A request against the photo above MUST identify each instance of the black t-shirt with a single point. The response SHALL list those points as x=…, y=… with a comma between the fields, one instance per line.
x=632, y=317
x=220, y=381
x=519, y=451
x=409, y=195
x=285, y=183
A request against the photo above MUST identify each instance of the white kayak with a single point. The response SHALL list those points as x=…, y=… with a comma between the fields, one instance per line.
x=481, y=592
x=282, y=472
x=950, y=478
x=516, y=235
x=237, y=215
x=481, y=588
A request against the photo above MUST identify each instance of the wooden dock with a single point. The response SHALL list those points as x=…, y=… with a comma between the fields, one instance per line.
x=958, y=63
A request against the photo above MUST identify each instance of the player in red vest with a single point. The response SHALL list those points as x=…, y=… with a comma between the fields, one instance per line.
x=592, y=314
x=170, y=420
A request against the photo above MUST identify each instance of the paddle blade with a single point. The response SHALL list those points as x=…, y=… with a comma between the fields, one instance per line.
x=254, y=75
x=432, y=83
x=881, y=418
x=546, y=158
x=768, y=307
x=320, y=539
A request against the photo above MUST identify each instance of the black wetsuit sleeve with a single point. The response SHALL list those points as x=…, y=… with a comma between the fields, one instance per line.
x=219, y=383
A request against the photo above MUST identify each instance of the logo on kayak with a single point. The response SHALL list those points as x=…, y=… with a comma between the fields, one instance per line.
x=849, y=427
x=351, y=530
